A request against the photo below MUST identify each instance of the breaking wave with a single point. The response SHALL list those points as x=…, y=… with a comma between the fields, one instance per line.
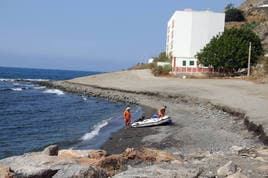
x=40, y=87
x=95, y=131
x=25, y=80
x=16, y=89
x=54, y=91
x=84, y=98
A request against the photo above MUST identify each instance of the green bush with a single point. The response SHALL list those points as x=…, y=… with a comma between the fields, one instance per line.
x=228, y=52
x=159, y=70
x=162, y=58
x=234, y=15
x=250, y=26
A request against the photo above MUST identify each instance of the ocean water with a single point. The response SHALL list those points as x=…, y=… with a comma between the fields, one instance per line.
x=33, y=116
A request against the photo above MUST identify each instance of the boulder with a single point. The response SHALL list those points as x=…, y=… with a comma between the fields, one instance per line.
x=237, y=175
x=236, y=149
x=112, y=164
x=228, y=169
x=35, y=165
x=5, y=173
x=93, y=154
x=72, y=171
x=51, y=150
x=148, y=154
x=159, y=171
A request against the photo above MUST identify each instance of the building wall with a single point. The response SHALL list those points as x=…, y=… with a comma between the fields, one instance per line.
x=206, y=25
x=189, y=31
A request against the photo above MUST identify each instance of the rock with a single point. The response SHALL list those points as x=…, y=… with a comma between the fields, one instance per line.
x=71, y=171
x=51, y=150
x=159, y=171
x=112, y=164
x=93, y=154
x=199, y=155
x=228, y=169
x=237, y=175
x=236, y=149
x=148, y=154
x=251, y=152
x=5, y=173
x=35, y=165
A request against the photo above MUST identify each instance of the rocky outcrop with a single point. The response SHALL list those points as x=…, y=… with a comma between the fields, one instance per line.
x=78, y=163
x=5, y=173
x=256, y=18
x=228, y=169
x=143, y=162
x=51, y=150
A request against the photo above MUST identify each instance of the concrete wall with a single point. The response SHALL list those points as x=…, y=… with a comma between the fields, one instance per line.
x=192, y=30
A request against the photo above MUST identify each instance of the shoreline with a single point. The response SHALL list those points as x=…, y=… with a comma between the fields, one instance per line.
x=204, y=136
x=130, y=97
x=125, y=138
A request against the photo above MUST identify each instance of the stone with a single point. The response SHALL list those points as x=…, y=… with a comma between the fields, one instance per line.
x=228, y=169
x=199, y=155
x=35, y=165
x=148, y=154
x=51, y=150
x=237, y=175
x=159, y=171
x=93, y=154
x=236, y=149
x=251, y=152
x=70, y=171
x=5, y=173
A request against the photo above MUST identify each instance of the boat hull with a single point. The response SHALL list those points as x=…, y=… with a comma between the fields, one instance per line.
x=152, y=122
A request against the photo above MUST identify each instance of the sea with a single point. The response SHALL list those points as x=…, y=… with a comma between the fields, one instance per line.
x=33, y=117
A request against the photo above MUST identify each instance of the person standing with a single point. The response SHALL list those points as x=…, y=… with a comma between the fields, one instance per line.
x=127, y=117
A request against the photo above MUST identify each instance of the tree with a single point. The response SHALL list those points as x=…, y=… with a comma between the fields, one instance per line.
x=233, y=14
x=162, y=57
x=229, y=51
x=229, y=6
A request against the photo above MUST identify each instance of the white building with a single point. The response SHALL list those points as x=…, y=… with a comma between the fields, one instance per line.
x=151, y=60
x=187, y=33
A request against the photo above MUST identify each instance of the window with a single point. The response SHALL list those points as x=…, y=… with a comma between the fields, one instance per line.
x=191, y=63
x=183, y=63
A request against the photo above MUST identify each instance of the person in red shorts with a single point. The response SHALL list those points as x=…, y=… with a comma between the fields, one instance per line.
x=127, y=117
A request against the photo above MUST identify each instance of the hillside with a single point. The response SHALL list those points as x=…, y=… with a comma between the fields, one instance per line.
x=256, y=18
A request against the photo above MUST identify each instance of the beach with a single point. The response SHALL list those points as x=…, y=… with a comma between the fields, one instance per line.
x=214, y=121
x=244, y=99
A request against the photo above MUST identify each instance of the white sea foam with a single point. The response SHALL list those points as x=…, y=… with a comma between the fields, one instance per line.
x=16, y=89
x=95, y=131
x=54, y=91
x=40, y=88
x=6, y=80
x=35, y=80
x=84, y=98
x=20, y=79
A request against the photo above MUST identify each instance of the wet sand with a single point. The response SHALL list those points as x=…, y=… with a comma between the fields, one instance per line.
x=129, y=137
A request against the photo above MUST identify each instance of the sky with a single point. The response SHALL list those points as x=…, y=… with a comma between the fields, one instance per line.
x=88, y=35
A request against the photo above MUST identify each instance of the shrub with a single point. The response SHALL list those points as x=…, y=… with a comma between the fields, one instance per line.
x=229, y=51
x=159, y=70
x=234, y=15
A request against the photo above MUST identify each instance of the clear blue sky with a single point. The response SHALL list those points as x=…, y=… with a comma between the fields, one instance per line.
x=96, y=35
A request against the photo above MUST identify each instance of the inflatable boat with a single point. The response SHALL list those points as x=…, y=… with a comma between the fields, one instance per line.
x=152, y=122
